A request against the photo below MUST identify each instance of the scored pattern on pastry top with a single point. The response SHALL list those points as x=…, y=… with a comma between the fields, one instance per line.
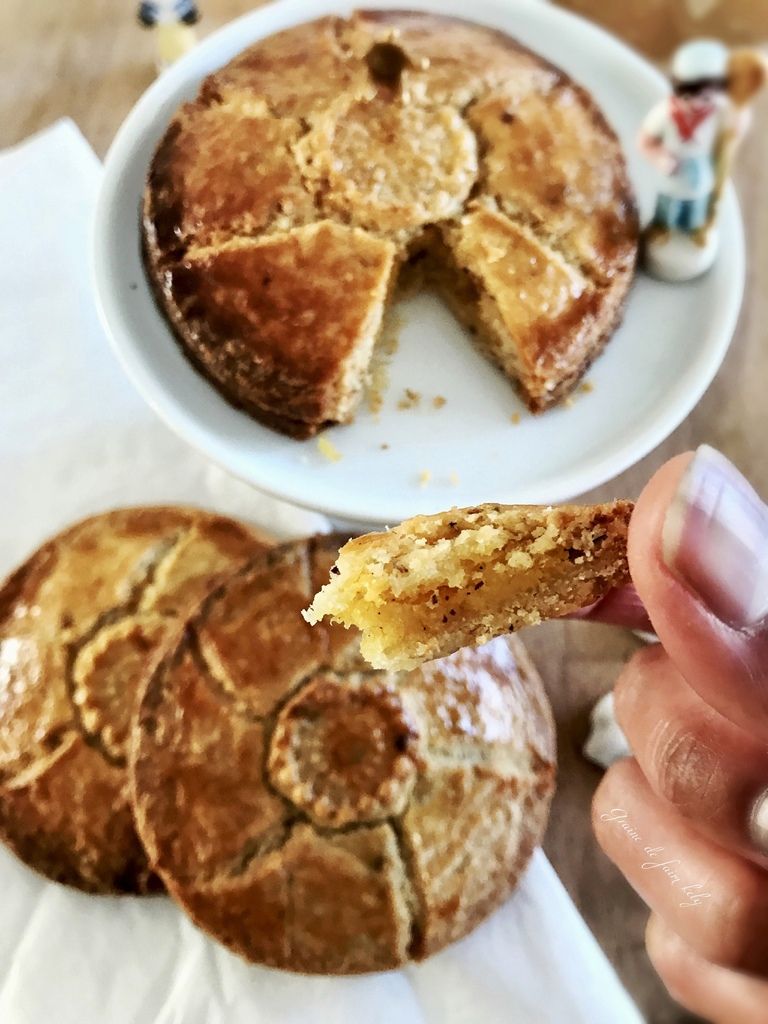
x=80, y=625
x=395, y=195
x=108, y=659
x=267, y=782
x=345, y=751
x=572, y=208
x=393, y=132
x=66, y=636
x=104, y=664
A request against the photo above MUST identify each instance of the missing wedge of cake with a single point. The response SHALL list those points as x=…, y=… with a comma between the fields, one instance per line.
x=437, y=583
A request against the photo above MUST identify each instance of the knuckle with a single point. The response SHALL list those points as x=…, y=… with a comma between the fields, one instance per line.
x=633, y=681
x=738, y=934
x=606, y=798
x=686, y=770
x=672, y=967
x=600, y=801
x=624, y=697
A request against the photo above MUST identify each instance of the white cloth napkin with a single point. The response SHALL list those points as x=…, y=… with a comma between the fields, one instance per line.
x=75, y=439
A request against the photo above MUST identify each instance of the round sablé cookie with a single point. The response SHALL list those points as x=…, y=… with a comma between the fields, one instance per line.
x=81, y=622
x=317, y=816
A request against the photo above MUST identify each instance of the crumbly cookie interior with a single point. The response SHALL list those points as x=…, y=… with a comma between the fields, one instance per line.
x=435, y=584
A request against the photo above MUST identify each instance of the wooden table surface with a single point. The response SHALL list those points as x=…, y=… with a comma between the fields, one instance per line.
x=90, y=60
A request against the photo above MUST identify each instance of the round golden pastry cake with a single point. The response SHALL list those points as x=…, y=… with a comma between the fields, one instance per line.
x=323, y=164
x=318, y=816
x=80, y=624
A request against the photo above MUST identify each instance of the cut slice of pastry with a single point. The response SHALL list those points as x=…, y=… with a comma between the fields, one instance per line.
x=285, y=325
x=437, y=583
x=539, y=318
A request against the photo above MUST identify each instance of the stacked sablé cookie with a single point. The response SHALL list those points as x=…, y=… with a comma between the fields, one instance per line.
x=168, y=719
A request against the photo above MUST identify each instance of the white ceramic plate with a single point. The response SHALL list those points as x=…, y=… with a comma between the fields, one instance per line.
x=652, y=373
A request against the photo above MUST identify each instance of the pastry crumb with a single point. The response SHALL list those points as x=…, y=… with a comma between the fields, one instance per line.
x=410, y=399
x=394, y=322
x=569, y=402
x=424, y=477
x=438, y=401
x=586, y=387
x=384, y=447
x=453, y=478
x=378, y=381
x=515, y=418
x=328, y=450
x=378, y=374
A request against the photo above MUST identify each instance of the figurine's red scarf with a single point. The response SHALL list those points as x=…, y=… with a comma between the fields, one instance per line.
x=688, y=114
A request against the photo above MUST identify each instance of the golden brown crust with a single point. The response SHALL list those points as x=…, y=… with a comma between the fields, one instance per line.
x=424, y=165
x=81, y=622
x=281, y=351
x=551, y=160
x=301, y=71
x=451, y=60
x=298, y=808
x=379, y=128
x=234, y=159
x=535, y=314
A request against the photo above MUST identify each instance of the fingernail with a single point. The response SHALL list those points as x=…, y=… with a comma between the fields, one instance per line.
x=759, y=823
x=715, y=538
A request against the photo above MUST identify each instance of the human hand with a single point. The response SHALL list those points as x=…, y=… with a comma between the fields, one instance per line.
x=686, y=819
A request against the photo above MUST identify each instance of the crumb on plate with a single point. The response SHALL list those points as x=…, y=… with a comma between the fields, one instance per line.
x=409, y=400
x=328, y=450
x=378, y=374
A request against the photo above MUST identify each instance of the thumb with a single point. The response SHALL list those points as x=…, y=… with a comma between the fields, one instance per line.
x=698, y=555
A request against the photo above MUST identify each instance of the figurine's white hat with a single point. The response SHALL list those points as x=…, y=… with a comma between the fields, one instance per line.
x=701, y=58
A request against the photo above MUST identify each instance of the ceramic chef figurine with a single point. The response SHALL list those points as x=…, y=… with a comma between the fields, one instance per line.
x=171, y=21
x=691, y=137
